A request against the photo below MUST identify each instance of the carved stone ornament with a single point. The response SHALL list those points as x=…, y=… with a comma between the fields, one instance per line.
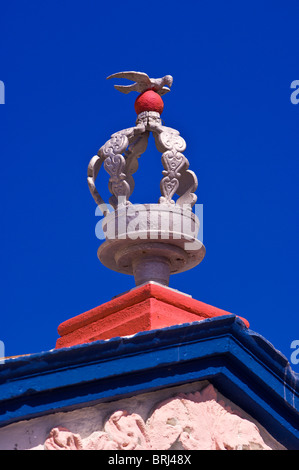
x=119, y=157
x=192, y=421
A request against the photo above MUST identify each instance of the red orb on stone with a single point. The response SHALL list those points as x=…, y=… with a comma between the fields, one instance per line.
x=149, y=101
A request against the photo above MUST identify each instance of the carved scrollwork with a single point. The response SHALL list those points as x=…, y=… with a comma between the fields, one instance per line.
x=120, y=156
x=117, y=144
x=132, y=154
x=115, y=164
x=172, y=141
x=132, y=143
x=118, y=186
x=177, y=178
x=173, y=161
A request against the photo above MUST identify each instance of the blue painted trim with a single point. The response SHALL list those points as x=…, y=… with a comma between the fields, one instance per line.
x=241, y=364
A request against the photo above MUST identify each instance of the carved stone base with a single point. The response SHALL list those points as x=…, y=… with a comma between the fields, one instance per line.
x=151, y=242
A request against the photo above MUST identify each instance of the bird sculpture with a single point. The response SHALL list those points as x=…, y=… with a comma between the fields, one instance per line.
x=142, y=83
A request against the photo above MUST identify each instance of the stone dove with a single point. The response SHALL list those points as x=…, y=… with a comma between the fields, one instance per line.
x=143, y=82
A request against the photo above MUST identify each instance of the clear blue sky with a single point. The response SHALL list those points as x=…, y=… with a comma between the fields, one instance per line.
x=232, y=63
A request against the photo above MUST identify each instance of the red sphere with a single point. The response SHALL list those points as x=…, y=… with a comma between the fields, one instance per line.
x=149, y=101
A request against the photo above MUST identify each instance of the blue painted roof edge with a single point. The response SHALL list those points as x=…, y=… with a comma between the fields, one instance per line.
x=243, y=365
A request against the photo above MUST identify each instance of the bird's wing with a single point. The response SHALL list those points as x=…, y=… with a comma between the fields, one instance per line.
x=125, y=88
x=134, y=76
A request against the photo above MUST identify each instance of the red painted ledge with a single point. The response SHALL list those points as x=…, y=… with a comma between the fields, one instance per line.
x=145, y=308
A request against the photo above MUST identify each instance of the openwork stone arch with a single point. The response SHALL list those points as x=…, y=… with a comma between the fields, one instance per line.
x=120, y=158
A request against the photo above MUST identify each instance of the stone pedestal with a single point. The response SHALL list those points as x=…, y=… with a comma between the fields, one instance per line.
x=151, y=241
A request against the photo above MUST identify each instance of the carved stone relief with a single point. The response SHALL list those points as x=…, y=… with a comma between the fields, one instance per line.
x=192, y=421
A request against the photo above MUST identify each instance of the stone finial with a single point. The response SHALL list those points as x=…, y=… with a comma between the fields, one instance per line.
x=155, y=240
